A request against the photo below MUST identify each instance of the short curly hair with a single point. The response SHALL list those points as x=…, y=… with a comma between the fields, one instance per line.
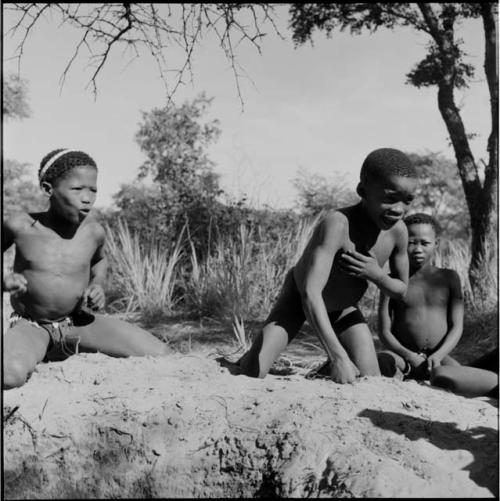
x=384, y=162
x=422, y=218
x=56, y=164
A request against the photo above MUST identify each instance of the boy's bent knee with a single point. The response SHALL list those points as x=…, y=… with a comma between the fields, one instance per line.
x=387, y=364
x=15, y=374
x=440, y=377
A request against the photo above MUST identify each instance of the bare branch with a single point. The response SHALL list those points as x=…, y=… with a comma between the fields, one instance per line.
x=147, y=26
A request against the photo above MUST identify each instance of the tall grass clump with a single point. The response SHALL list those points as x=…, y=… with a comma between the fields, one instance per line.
x=144, y=273
x=240, y=278
x=455, y=255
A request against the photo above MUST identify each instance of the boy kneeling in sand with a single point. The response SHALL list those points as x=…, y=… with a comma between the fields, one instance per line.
x=422, y=328
x=347, y=249
x=58, y=271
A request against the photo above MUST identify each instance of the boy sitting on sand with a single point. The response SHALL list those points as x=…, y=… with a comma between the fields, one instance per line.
x=58, y=273
x=347, y=249
x=422, y=328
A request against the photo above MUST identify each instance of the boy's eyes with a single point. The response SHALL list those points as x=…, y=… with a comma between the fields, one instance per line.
x=79, y=188
x=395, y=198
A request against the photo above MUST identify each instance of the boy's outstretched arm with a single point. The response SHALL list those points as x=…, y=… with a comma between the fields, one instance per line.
x=455, y=321
x=330, y=234
x=388, y=338
x=362, y=266
x=7, y=234
x=94, y=294
x=15, y=283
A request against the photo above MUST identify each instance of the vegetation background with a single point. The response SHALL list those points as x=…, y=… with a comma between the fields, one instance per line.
x=181, y=248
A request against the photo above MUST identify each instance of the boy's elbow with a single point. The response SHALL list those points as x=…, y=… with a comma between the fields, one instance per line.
x=400, y=292
x=310, y=296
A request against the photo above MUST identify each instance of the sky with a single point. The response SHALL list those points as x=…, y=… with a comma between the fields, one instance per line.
x=319, y=108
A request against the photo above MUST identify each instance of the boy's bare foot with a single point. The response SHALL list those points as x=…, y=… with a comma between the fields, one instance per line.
x=233, y=367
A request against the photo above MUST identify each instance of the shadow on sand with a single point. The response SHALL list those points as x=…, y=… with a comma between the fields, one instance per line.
x=480, y=441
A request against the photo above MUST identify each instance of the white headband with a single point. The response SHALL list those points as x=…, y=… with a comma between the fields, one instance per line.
x=52, y=161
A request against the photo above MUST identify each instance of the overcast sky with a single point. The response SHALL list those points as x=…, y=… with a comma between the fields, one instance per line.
x=319, y=108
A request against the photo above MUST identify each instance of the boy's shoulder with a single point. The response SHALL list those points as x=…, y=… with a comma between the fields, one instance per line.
x=399, y=229
x=337, y=217
x=19, y=221
x=95, y=227
x=447, y=274
x=334, y=220
x=442, y=276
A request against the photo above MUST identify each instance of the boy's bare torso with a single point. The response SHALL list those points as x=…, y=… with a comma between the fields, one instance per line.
x=420, y=321
x=343, y=290
x=56, y=268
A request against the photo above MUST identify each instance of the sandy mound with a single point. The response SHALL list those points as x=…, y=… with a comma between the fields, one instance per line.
x=182, y=426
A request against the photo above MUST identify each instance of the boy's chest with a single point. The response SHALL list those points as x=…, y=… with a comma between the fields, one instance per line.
x=427, y=292
x=381, y=247
x=45, y=250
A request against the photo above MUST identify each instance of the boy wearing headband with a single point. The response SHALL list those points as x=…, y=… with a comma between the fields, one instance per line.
x=59, y=269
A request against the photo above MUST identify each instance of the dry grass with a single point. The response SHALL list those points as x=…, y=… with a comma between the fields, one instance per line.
x=238, y=282
x=144, y=274
x=241, y=278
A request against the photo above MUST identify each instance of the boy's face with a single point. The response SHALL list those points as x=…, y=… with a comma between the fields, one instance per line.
x=387, y=200
x=73, y=195
x=422, y=244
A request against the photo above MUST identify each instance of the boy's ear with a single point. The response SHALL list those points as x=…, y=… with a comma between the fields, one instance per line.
x=360, y=190
x=46, y=188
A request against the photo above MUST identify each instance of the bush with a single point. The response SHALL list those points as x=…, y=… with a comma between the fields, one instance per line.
x=144, y=275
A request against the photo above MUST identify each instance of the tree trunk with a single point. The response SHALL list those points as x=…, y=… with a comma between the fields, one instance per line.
x=481, y=198
x=484, y=251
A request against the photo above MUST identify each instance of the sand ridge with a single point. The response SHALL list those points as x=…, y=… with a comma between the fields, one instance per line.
x=183, y=426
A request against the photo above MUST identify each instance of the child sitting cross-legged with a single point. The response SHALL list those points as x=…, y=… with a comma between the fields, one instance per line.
x=422, y=328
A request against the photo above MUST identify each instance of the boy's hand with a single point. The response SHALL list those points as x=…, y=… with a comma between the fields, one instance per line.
x=93, y=297
x=360, y=265
x=15, y=283
x=343, y=371
x=433, y=361
x=416, y=359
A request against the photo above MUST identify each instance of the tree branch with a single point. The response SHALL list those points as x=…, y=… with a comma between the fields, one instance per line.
x=102, y=26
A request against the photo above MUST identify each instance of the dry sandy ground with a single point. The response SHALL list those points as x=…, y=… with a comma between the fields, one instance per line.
x=182, y=426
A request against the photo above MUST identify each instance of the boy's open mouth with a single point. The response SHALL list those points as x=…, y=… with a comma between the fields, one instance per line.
x=390, y=219
x=418, y=259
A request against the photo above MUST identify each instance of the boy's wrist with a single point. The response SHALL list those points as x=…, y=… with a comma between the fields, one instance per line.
x=379, y=277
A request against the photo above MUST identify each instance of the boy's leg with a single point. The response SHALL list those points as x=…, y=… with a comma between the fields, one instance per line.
x=466, y=381
x=25, y=345
x=114, y=337
x=283, y=323
x=447, y=360
x=391, y=364
x=358, y=342
x=356, y=338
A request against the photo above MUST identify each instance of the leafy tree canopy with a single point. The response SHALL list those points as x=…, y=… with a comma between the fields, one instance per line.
x=15, y=103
